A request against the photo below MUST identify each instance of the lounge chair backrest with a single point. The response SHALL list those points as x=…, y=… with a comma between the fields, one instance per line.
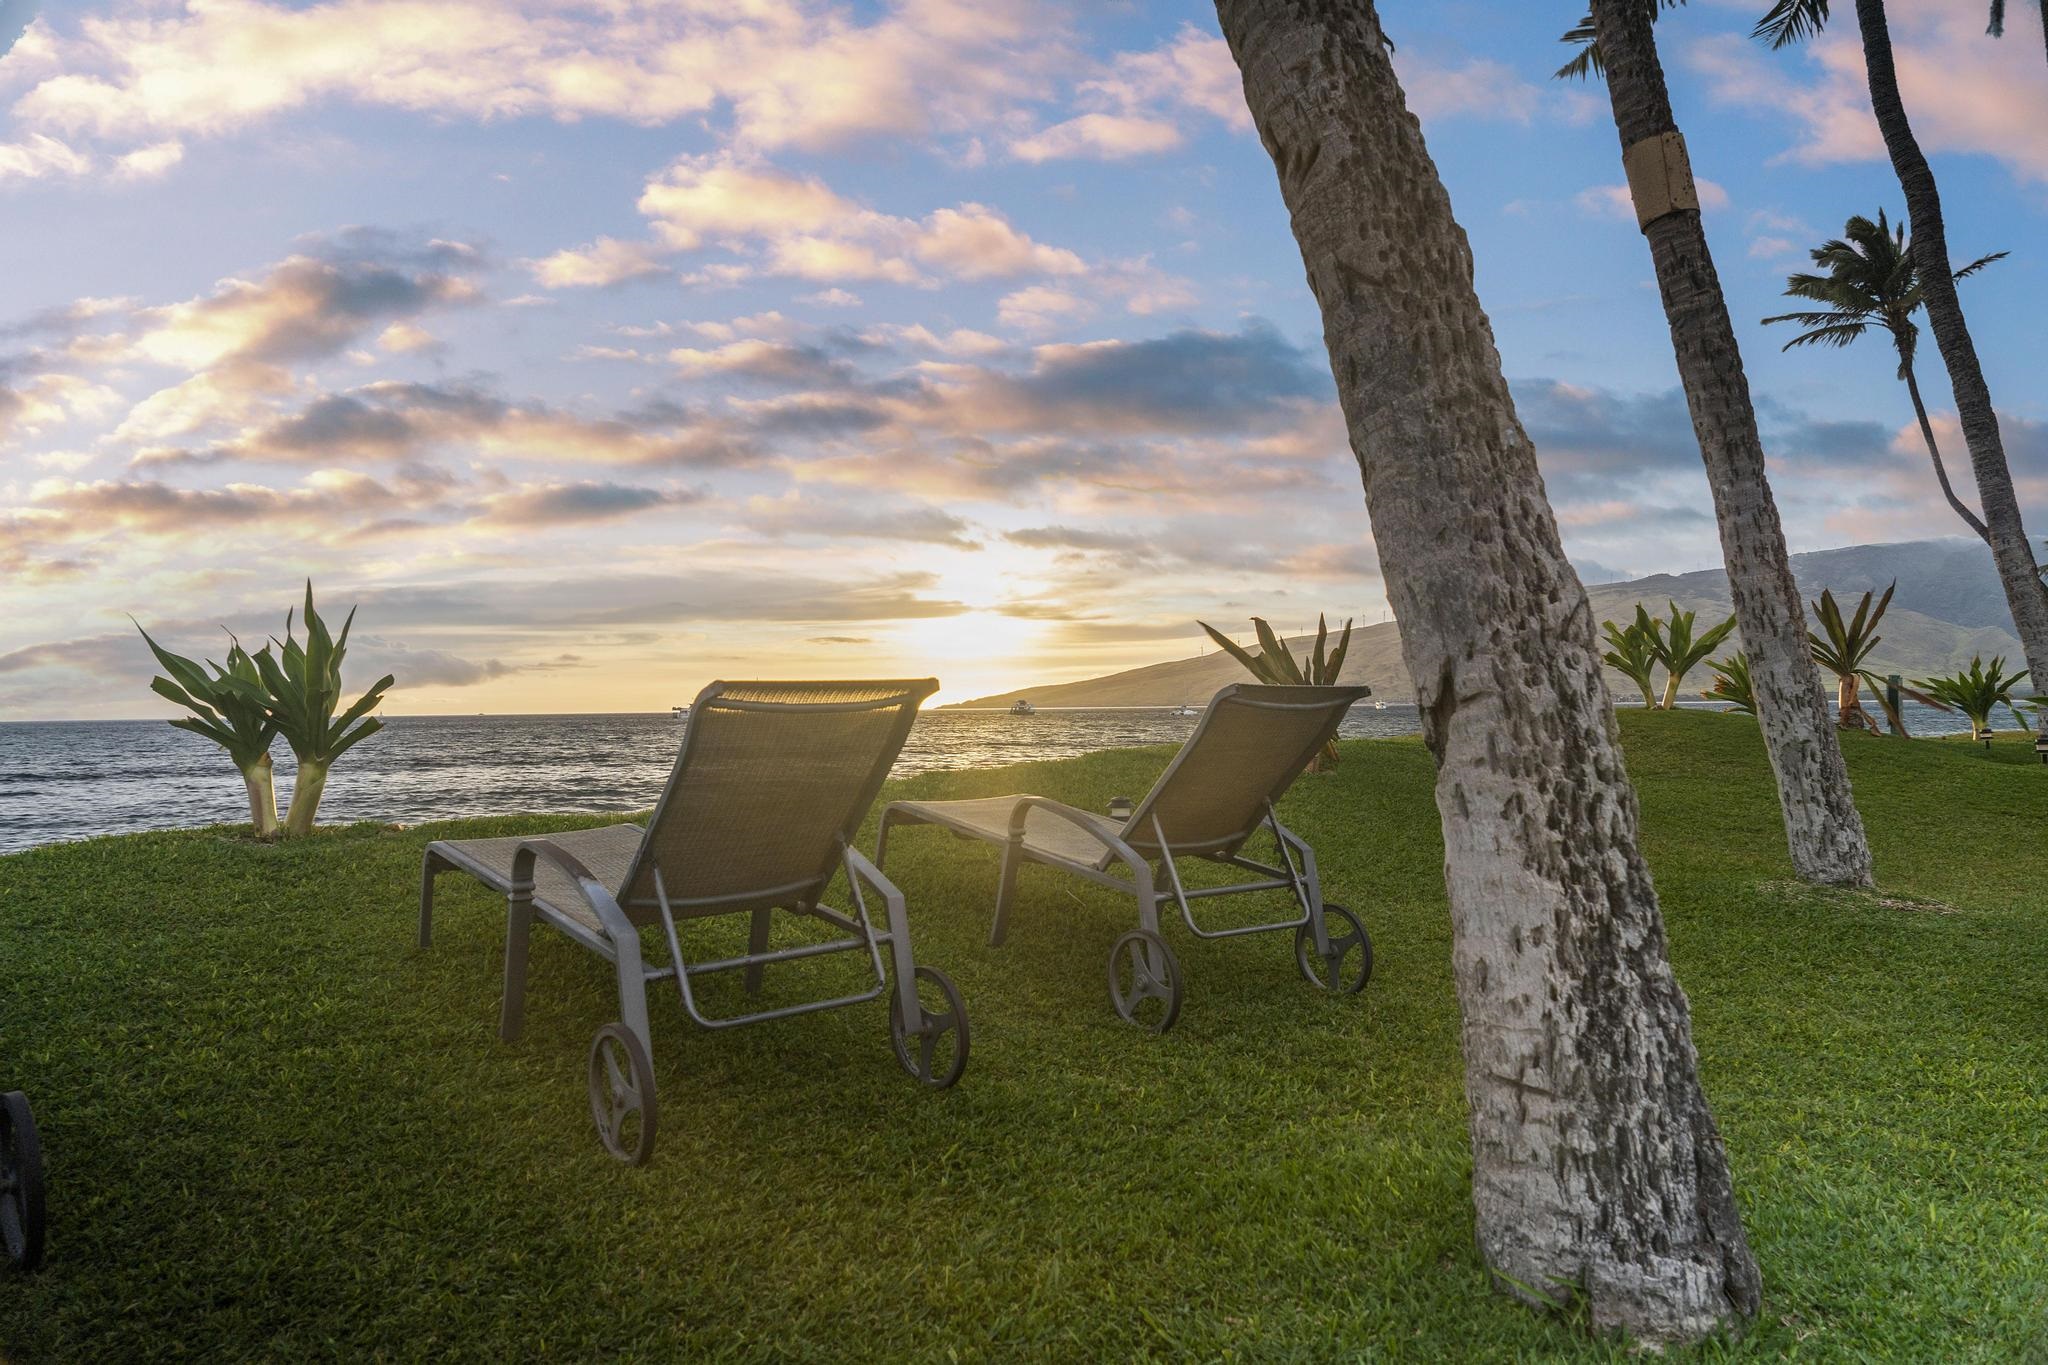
x=1247, y=749
x=772, y=777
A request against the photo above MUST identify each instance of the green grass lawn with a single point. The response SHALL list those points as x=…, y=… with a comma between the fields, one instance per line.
x=275, y=1129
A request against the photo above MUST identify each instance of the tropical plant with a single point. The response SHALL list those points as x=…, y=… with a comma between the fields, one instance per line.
x=1683, y=652
x=1275, y=664
x=1823, y=831
x=1634, y=651
x=1870, y=281
x=1977, y=692
x=1533, y=793
x=1793, y=21
x=1731, y=683
x=1841, y=647
x=304, y=685
x=229, y=707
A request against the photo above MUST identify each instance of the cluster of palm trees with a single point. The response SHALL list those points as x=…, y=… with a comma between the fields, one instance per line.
x=1639, y=649
x=246, y=705
x=1599, y=1176
x=1873, y=276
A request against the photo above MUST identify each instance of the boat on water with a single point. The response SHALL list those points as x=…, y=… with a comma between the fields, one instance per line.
x=1378, y=704
x=1185, y=710
x=1023, y=708
x=680, y=711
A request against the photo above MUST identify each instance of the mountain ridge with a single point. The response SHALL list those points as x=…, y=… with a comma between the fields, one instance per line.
x=1949, y=606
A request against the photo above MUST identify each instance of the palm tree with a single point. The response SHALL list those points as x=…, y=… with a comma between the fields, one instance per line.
x=1997, y=29
x=1976, y=692
x=1597, y=1170
x=1822, y=827
x=1843, y=649
x=1793, y=21
x=1633, y=651
x=1871, y=282
x=1684, y=651
x=1731, y=684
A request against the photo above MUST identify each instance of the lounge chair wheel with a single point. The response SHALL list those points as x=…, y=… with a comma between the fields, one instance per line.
x=21, y=1184
x=1144, y=980
x=1348, y=965
x=935, y=1053
x=622, y=1094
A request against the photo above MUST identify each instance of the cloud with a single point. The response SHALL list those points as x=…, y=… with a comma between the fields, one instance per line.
x=573, y=601
x=309, y=306
x=1999, y=110
x=1595, y=433
x=1042, y=307
x=1486, y=89
x=796, y=225
x=1077, y=538
x=882, y=518
x=768, y=360
x=606, y=261
x=392, y=420
x=562, y=504
x=40, y=157
x=785, y=73
x=1104, y=137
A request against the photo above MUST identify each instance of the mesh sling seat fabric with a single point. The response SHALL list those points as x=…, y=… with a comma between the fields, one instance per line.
x=758, y=815
x=1250, y=744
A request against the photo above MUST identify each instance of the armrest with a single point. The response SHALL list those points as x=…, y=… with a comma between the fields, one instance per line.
x=1110, y=839
x=858, y=866
x=595, y=893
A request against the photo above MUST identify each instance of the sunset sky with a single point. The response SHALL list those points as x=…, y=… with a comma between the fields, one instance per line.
x=601, y=349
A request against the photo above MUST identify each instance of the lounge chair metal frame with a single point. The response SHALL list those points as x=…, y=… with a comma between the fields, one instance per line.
x=21, y=1185
x=1142, y=967
x=620, y=1056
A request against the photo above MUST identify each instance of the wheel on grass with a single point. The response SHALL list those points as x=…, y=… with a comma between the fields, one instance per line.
x=934, y=1052
x=21, y=1184
x=1144, y=980
x=622, y=1094
x=1348, y=965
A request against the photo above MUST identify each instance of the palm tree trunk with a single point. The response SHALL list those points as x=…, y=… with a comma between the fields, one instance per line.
x=2025, y=593
x=262, y=796
x=1976, y=523
x=1822, y=827
x=306, y=792
x=1597, y=1167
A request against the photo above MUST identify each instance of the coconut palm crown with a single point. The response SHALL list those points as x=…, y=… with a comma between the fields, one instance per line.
x=1870, y=281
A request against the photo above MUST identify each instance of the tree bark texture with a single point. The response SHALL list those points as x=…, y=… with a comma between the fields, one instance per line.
x=1822, y=827
x=1597, y=1167
x=2025, y=593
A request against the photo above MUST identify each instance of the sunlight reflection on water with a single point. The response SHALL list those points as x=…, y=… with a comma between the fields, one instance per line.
x=71, y=779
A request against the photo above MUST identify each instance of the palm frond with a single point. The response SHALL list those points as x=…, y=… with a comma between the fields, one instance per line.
x=1791, y=21
x=1978, y=264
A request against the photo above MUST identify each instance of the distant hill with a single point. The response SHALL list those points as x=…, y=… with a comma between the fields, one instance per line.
x=1949, y=606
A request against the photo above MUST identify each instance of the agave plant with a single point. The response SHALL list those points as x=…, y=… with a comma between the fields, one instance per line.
x=304, y=685
x=1842, y=648
x=1732, y=684
x=230, y=708
x=1275, y=664
x=1634, y=651
x=1683, y=652
x=1976, y=692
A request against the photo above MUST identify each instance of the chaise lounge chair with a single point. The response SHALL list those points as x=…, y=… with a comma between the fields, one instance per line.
x=1247, y=749
x=758, y=815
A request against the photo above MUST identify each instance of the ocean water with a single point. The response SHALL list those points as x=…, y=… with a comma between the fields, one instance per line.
x=73, y=779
